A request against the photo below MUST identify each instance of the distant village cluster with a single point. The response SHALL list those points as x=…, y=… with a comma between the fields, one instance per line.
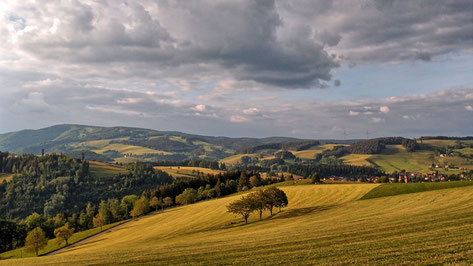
x=408, y=177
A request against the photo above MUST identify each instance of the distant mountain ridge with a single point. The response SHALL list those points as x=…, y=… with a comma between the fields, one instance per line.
x=112, y=143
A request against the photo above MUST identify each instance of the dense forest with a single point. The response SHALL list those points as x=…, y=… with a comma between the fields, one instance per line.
x=193, y=163
x=54, y=183
x=326, y=170
x=297, y=145
x=446, y=138
x=373, y=146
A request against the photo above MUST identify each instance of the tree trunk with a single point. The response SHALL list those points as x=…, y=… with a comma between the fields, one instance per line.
x=246, y=220
x=67, y=242
x=260, y=214
x=271, y=210
x=36, y=250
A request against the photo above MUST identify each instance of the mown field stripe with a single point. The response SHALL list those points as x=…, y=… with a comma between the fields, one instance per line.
x=392, y=189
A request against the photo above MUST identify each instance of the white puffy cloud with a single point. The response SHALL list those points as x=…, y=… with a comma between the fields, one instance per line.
x=251, y=111
x=469, y=108
x=353, y=113
x=200, y=107
x=377, y=119
x=384, y=109
x=238, y=118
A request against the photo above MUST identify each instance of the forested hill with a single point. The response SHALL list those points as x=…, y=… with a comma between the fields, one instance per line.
x=127, y=144
x=55, y=183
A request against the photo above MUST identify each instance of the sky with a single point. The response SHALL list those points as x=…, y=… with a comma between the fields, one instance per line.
x=258, y=68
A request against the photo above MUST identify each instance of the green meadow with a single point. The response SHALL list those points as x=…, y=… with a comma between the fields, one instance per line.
x=391, y=189
x=323, y=224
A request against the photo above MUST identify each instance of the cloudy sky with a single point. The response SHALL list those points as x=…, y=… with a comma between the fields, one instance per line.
x=303, y=68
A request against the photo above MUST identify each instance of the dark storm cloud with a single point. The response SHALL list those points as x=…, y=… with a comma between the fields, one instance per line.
x=277, y=43
x=238, y=36
x=196, y=65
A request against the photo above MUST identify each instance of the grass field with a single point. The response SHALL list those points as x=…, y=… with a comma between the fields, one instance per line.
x=304, y=154
x=312, y=152
x=392, y=189
x=234, y=159
x=185, y=171
x=395, y=158
x=54, y=245
x=324, y=224
x=357, y=159
x=104, y=170
x=136, y=150
x=441, y=143
x=5, y=176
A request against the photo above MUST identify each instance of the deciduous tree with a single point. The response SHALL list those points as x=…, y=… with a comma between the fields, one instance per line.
x=99, y=220
x=140, y=207
x=36, y=240
x=168, y=202
x=63, y=233
x=188, y=196
x=155, y=203
x=243, y=207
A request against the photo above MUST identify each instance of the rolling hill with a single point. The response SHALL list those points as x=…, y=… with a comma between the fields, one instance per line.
x=323, y=224
x=124, y=144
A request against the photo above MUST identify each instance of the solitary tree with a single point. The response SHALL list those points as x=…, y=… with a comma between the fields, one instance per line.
x=36, y=240
x=99, y=220
x=243, y=207
x=315, y=178
x=63, y=233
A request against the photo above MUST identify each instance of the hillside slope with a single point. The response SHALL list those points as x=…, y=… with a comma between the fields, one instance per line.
x=125, y=144
x=323, y=224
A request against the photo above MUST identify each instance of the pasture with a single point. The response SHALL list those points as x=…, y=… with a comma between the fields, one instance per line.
x=5, y=177
x=186, y=171
x=323, y=224
x=130, y=149
x=104, y=170
x=391, y=189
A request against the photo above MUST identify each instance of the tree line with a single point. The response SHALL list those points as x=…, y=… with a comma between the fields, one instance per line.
x=215, y=165
x=325, y=170
x=296, y=145
x=180, y=192
x=259, y=201
x=373, y=146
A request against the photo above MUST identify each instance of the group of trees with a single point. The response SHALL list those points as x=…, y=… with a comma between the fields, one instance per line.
x=325, y=170
x=53, y=184
x=193, y=163
x=372, y=146
x=259, y=201
x=36, y=229
x=211, y=186
x=296, y=145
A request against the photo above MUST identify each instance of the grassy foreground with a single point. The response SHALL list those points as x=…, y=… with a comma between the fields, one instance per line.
x=324, y=224
x=391, y=189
